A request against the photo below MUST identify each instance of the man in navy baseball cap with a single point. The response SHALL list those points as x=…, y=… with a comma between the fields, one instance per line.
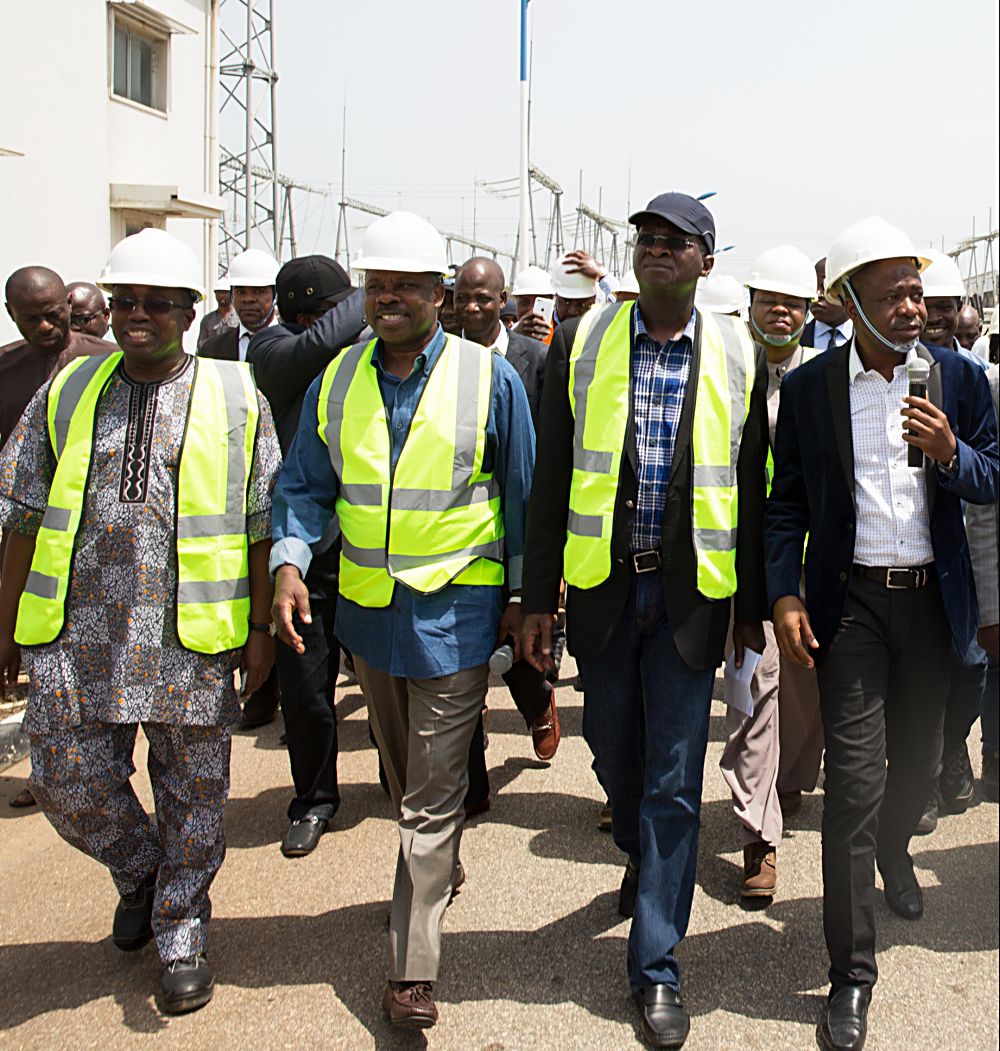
x=684, y=212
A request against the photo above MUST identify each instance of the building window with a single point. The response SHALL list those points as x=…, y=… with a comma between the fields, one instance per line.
x=139, y=65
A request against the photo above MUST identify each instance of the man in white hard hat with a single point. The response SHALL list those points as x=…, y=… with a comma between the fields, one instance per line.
x=575, y=285
x=531, y=284
x=251, y=276
x=781, y=288
x=829, y=327
x=421, y=445
x=220, y=319
x=628, y=287
x=886, y=580
x=135, y=583
x=652, y=415
x=944, y=290
x=720, y=294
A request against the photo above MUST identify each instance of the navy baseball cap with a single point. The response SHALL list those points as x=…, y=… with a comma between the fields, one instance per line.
x=684, y=212
x=308, y=279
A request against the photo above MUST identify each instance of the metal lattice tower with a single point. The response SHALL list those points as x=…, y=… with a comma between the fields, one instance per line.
x=248, y=151
x=591, y=228
x=555, y=239
x=975, y=257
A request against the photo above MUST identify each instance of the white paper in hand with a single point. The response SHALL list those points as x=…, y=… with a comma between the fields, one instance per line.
x=738, y=693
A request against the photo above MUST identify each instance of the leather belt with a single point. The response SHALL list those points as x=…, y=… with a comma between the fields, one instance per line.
x=646, y=561
x=896, y=579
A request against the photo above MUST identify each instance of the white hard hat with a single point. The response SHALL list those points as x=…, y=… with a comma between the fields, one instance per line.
x=628, y=282
x=942, y=278
x=402, y=242
x=865, y=242
x=784, y=269
x=572, y=286
x=533, y=281
x=253, y=268
x=222, y=285
x=720, y=294
x=152, y=257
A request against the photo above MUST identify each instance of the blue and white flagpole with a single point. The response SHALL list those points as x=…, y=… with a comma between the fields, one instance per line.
x=524, y=188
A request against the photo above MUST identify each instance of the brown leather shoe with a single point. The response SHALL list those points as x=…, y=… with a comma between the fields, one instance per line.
x=410, y=1005
x=760, y=871
x=545, y=732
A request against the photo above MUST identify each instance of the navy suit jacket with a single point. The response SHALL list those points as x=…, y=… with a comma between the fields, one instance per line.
x=813, y=488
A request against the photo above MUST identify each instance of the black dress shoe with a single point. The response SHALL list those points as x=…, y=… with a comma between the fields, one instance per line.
x=844, y=1025
x=902, y=892
x=133, y=923
x=303, y=835
x=958, y=786
x=629, y=891
x=186, y=985
x=665, y=1022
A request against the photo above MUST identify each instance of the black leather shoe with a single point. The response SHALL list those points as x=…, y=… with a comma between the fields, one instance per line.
x=929, y=818
x=665, y=1022
x=958, y=787
x=133, y=923
x=628, y=892
x=186, y=985
x=303, y=835
x=902, y=892
x=844, y=1025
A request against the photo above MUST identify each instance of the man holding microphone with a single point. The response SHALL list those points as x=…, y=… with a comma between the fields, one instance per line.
x=887, y=580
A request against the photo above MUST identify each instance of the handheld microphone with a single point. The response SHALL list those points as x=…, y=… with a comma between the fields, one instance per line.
x=917, y=371
x=502, y=659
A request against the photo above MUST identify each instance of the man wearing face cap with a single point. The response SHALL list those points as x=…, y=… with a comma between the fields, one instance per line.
x=887, y=576
x=653, y=416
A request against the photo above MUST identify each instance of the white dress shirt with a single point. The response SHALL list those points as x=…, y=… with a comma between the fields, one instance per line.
x=821, y=334
x=893, y=524
x=500, y=344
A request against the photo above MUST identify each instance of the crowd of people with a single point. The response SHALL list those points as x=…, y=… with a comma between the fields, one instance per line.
x=424, y=478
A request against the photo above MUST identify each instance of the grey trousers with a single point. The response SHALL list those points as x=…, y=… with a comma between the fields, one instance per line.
x=749, y=760
x=423, y=728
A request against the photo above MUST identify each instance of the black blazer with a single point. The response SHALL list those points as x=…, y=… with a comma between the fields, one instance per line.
x=813, y=487
x=809, y=334
x=528, y=358
x=224, y=346
x=699, y=624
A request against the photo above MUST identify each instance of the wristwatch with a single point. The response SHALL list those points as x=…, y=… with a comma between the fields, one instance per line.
x=264, y=629
x=950, y=467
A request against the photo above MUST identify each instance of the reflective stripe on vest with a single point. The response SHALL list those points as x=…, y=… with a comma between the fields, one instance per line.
x=213, y=588
x=435, y=519
x=599, y=390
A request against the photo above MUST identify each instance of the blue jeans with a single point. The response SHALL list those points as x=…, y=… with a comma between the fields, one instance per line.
x=645, y=717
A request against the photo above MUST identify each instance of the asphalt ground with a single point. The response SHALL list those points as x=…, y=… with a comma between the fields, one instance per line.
x=534, y=951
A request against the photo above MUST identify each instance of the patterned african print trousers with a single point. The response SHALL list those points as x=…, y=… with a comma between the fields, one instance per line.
x=81, y=779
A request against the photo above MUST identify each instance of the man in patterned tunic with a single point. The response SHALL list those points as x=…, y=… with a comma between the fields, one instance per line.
x=131, y=620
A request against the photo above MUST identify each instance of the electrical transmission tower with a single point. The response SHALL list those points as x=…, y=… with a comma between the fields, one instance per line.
x=342, y=226
x=248, y=149
x=980, y=273
x=554, y=239
x=591, y=228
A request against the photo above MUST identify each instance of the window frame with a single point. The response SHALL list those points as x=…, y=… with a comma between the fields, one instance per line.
x=159, y=41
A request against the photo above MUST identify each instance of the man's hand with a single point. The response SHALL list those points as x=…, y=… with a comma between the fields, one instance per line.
x=747, y=635
x=256, y=661
x=989, y=638
x=793, y=631
x=290, y=596
x=511, y=624
x=579, y=262
x=536, y=640
x=533, y=326
x=10, y=663
x=928, y=429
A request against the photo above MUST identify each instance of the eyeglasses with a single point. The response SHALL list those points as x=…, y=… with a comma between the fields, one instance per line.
x=84, y=319
x=668, y=242
x=155, y=305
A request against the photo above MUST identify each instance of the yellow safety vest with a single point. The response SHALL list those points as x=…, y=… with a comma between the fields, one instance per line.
x=213, y=582
x=808, y=353
x=434, y=520
x=599, y=385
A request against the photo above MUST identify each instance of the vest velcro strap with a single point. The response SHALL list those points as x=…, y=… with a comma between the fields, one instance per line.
x=366, y=557
x=213, y=590
x=592, y=460
x=362, y=494
x=584, y=525
x=400, y=563
x=444, y=500
x=57, y=519
x=711, y=475
x=714, y=539
x=42, y=585
x=198, y=526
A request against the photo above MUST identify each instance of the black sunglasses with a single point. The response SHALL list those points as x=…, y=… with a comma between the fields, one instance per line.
x=156, y=305
x=668, y=242
x=85, y=319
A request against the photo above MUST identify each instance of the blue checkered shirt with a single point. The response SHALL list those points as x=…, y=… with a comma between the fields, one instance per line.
x=659, y=378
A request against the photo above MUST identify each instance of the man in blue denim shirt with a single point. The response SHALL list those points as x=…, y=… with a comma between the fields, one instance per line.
x=420, y=649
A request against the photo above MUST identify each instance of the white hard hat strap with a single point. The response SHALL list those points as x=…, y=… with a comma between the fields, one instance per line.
x=898, y=348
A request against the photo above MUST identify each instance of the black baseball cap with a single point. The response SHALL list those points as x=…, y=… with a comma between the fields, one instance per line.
x=684, y=212
x=304, y=281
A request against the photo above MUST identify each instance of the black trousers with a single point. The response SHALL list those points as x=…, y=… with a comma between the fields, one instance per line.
x=308, y=682
x=531, y=693
x=882, y=687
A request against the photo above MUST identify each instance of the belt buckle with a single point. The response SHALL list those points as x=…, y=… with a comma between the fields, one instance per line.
x=911, y=573
x=646, y=561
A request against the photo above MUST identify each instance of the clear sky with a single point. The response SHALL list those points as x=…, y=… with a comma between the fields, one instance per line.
x=804, y=117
